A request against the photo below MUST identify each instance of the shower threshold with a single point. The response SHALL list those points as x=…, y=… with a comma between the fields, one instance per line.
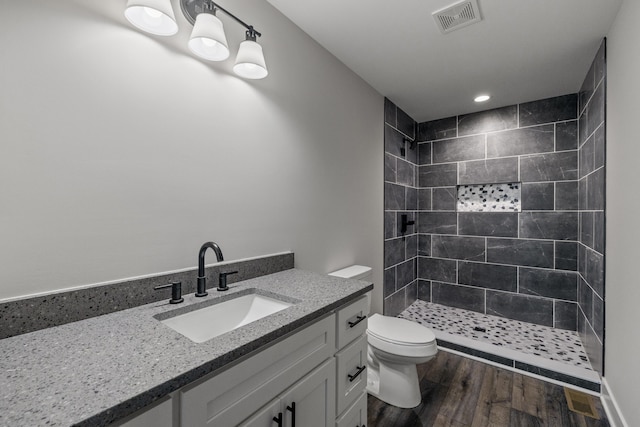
x=551, y=353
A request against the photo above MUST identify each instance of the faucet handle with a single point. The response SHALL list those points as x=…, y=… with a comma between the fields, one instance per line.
x=222, y=282
x=176, y=291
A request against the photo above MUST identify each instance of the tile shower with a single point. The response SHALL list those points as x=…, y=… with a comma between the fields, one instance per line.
x=535, y=255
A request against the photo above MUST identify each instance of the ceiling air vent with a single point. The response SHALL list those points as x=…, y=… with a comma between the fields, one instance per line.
x=457, y=16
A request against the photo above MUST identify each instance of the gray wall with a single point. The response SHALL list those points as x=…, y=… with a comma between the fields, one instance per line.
x=622, y=376
x=400, y=198
x=122, y=153
x=591, y=249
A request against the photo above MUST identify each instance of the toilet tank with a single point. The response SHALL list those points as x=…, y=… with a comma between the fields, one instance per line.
x=360, y=272
x=354, y=272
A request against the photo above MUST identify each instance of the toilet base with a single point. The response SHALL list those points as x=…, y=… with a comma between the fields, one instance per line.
x=395, y=384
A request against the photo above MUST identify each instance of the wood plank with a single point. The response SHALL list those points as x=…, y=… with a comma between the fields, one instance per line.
x=380, y=414
x=576, y=420
x=528, y=396
x=557, y=408
x=443, y=421
x=441, y=369
x=433, y=396
x=500, y=416
x=522, y=419
x=462, y=398
x=494, y=402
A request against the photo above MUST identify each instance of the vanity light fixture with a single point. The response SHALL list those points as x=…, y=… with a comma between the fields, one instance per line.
x=482, y=98
x=153, y=16
x=250, y=60
x=208, y=40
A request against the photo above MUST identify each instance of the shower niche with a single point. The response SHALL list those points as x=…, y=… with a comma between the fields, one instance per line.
x=489, y=197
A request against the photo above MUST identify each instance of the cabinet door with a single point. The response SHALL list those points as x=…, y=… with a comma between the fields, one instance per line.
x=311, y=401
x=356, y=415
x=265, y=416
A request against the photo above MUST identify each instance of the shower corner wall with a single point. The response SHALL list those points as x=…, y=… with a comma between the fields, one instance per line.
x=591, y=248
x=401, y=197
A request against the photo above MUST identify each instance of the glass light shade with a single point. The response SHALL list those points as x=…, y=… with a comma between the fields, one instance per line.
x=153, y=16
x=250, y=61
x=207, y=38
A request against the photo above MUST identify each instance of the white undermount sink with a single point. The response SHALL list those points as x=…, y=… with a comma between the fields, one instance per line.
x=203, y=324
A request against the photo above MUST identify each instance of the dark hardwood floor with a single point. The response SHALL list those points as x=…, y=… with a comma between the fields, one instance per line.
x=461, y=392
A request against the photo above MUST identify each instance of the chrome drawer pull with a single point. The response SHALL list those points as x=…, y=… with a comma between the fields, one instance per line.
x=358, y=320
x=357, y=374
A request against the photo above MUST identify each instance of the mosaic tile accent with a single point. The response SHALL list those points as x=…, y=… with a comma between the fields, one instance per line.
x=489, y=198
x=553, y=344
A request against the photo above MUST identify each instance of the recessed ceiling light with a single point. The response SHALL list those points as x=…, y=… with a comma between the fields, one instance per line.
x=482, y=98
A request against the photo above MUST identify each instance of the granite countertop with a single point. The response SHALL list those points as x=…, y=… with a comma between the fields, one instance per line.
x=95, y=371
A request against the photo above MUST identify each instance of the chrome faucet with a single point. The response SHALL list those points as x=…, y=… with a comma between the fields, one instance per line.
x=202, y=280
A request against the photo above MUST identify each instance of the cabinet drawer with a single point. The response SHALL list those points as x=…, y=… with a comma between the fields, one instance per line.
x=351, y=373
x=351, y=321
x=356, y=415
x=228, y=397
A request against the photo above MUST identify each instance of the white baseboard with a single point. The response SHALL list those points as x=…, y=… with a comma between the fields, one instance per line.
x=611, y=406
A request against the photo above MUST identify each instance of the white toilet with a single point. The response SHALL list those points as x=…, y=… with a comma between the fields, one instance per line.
x=396, y=346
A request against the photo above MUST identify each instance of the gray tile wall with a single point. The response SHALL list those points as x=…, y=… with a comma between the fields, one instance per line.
x=522, y=265
x=401, y=197
x=591, y=202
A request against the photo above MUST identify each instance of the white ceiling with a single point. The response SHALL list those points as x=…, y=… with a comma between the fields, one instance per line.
x=521, y=51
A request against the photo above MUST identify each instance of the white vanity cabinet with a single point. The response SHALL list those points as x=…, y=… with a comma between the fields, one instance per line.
x=316, y=376
x=230, y=397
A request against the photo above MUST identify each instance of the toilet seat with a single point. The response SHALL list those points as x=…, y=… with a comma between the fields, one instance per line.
x=400, y=337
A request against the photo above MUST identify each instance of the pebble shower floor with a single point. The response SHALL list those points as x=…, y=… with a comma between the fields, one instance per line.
x=528, y=338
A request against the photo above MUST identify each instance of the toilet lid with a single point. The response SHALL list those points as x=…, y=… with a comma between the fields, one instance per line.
x=400, y=331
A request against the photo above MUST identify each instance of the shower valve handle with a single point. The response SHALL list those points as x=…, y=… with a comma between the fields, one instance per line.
x=404, y=223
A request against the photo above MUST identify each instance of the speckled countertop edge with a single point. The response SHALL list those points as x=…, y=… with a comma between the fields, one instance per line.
x=98, y=370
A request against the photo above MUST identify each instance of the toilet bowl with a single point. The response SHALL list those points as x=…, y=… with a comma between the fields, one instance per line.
x=395, y=347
